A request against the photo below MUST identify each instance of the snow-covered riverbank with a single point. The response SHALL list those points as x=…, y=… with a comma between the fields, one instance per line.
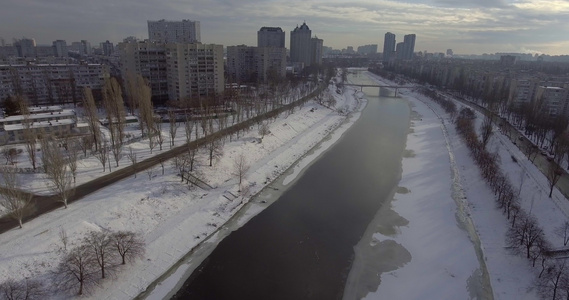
x=443, y=264
x=171, y=218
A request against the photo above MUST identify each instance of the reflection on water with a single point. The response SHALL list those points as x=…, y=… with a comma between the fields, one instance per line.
x=302, y=246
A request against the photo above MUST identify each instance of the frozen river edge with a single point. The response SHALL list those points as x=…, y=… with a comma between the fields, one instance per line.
x=166, y=285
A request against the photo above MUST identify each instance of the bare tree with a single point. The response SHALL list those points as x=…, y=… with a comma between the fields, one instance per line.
x=532, y=150
x=192, y=155
x=24, y=289
x=213, y=144
x=132, y=91
x=29, y=133
x=188, y=125
x=150, y=172
x=554, y=173
x=539, y=250
x=549, y=284
x=129, y=245
x=181, y=163
x=91, y=117
x=72, y=157
x=63, y=238
x=17, y=202
x=100, y=244
x=264, y=129
x=240, y=167
x=158, y=133
x=145, y=109
x=77, y=270
x=114, y=106
x=102, y=154
x=173, y=126
x=486, y=130
x=151, y=141
x=133, y=159
x=563, y=232
x=10, y=154
x=57, y=171
x=85, y=144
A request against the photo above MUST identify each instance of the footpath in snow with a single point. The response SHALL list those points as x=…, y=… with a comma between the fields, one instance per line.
x=172, y=218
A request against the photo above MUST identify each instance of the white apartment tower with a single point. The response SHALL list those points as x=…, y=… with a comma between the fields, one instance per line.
x=185, y=31
x=271, y=37
x=194, y=70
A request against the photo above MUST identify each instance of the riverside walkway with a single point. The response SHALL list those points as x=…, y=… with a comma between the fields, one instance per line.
x=44, y=204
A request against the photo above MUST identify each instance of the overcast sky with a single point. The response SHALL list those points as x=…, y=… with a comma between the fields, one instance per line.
x=466, y=26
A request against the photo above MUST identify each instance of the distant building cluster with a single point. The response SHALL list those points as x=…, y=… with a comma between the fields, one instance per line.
x=185, y=31
x=522, y=91
x=172, y=59
x=304, y=48
x=367, y=49
x=28, y=49
x=403, y=50
x=258, y=64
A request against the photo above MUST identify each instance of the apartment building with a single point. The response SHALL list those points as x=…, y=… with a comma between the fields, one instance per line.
x=271, y=37
x=255, y=64
x=147, y=59
x=51, y=83
x=46, y=120
x=551, y=100
x=194, y=70
x=184, y=31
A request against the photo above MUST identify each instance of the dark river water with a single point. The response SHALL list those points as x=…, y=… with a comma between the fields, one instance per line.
x=301, y=247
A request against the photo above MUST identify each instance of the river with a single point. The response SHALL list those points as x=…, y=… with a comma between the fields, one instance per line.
x=302, y=246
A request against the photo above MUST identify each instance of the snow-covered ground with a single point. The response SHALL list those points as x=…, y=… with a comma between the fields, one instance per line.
x=442, y=258
x=174, y=219
x=171, y=218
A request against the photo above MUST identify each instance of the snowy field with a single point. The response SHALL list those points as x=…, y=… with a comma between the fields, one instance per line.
x=442, y=265
x=172, y=218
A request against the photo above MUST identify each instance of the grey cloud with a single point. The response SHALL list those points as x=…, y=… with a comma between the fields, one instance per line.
x=480, y=25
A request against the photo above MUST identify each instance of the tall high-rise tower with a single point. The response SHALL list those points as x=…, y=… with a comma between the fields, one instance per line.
x=388, y=46
x=300, y=50
x=316, y=50
x=408, y=46
x=184, y=31
x=271, y=37
x=60, y=48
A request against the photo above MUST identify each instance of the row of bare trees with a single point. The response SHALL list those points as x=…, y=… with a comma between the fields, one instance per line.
x=60, y=169
x=524, y=236
x=98, y=256
x=495, y=94
x=95, y=258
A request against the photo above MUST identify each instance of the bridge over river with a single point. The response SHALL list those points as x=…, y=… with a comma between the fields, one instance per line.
x=396, y=87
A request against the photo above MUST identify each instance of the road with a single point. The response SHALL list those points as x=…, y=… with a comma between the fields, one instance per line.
x=44, y=204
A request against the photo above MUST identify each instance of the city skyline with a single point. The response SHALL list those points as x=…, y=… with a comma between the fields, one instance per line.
x=525, y=26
